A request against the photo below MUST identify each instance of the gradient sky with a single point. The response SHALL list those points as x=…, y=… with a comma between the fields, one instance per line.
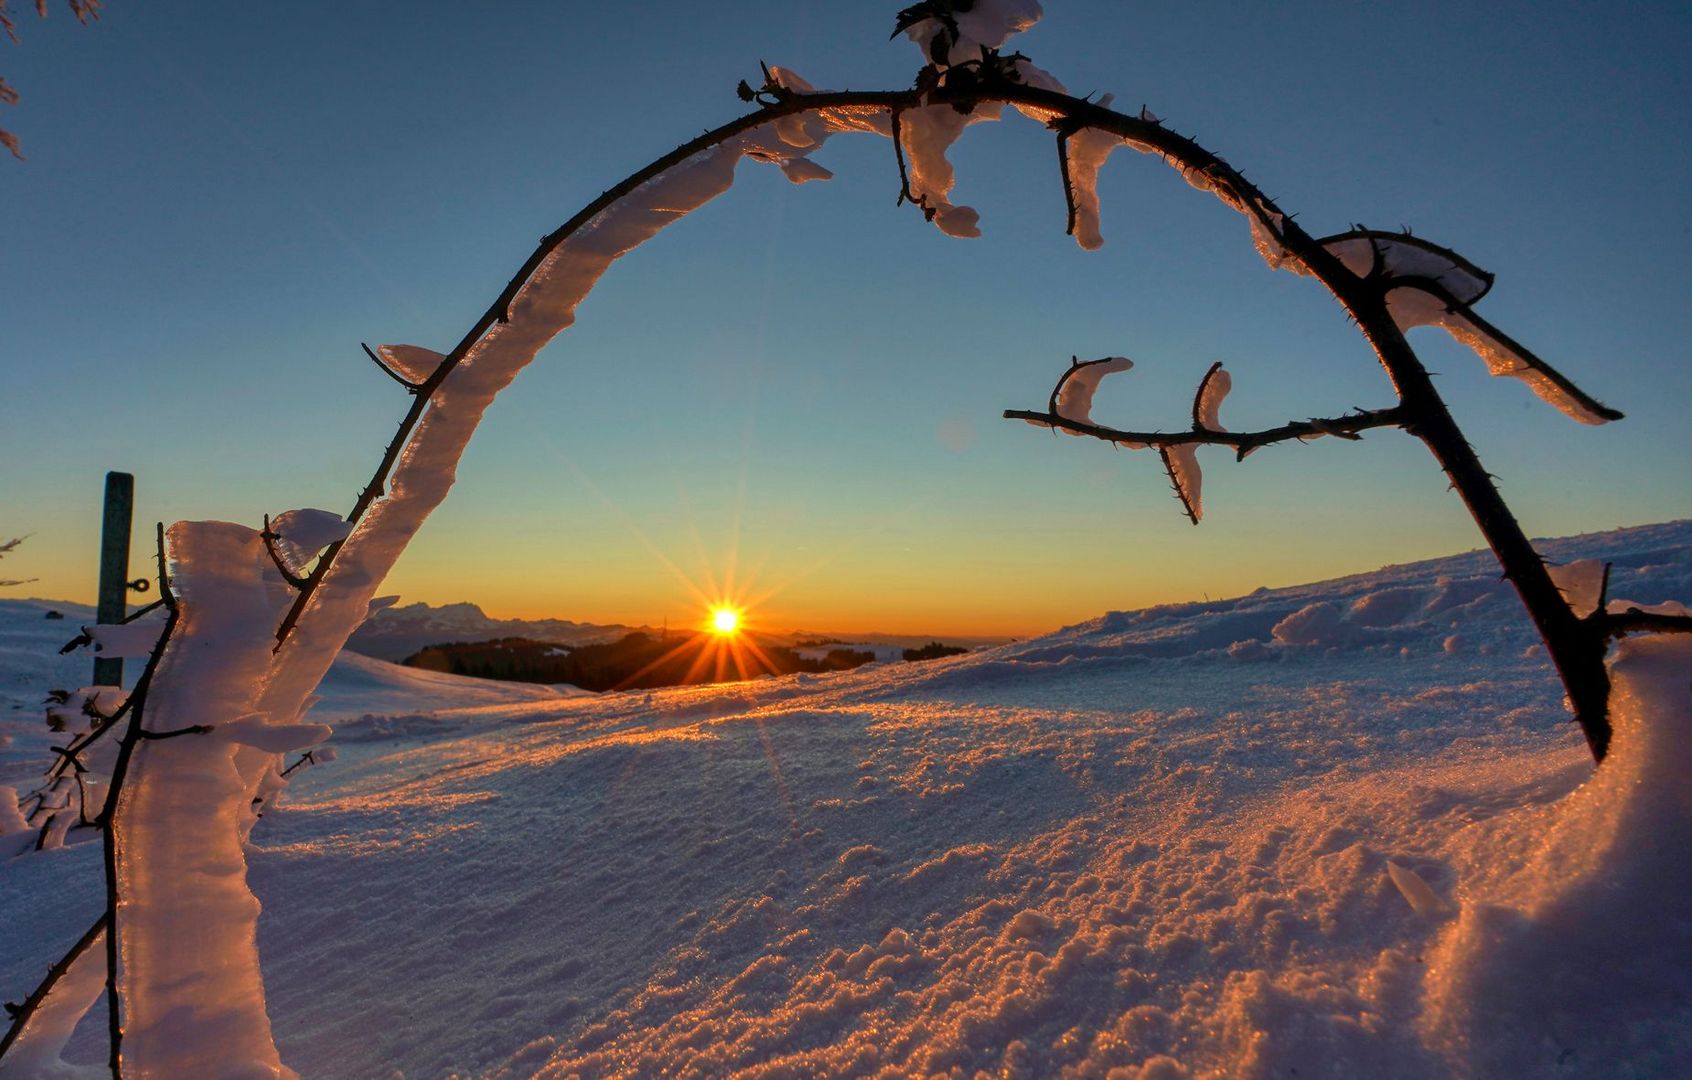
x=221, y=201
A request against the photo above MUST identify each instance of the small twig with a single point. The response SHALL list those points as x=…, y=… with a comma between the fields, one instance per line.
x=306, y=758
x=1198, y=396
x=149, y=609
x=1064, y=131
x=905, y=195
x=22, y=1013
x=1175, y=483
x=412, y=387
x=270, y=539
x=1633, y=621
x=191, y=729
x=1242, y=441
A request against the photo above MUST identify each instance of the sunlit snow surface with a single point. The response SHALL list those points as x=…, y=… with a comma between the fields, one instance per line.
x=1157, y=840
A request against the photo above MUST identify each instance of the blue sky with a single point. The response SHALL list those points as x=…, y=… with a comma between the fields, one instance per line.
x=220, y=201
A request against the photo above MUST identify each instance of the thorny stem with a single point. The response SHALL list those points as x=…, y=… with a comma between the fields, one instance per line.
x=21, y=1013
x=106, y=822
x=1068, y=185
x=108, y=816
x=413, y=387
x=1577, y=646
x=1578, y=653
x=1243, y=442
x=270, y=539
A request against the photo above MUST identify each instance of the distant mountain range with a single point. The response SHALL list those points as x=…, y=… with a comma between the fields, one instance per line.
x=397, y=632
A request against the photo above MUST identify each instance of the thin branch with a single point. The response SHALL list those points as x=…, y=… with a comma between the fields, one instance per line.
x=270, y=539
x=1633, y=621
x=1198, y=396
x=1243, y=442
x=22, y=1013
x=148, y=610
x=108, y=814
x=306, y=758
x=1175, y=483
x=191, y=729
x=1064, y=132
x=413, y=387
x=899, y=157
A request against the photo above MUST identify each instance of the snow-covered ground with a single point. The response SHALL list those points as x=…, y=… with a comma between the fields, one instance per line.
x=1334, y=830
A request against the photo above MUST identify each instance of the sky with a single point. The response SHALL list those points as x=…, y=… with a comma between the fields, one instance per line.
x=793, y=395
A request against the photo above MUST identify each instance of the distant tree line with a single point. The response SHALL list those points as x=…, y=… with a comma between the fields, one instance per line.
x=637, y=661
x=934, y=650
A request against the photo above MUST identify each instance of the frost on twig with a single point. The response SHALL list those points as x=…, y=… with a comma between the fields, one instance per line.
x=1069, y=410
x=1430, y=285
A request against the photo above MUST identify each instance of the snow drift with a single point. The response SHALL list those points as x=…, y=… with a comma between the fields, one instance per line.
x=1171, y=841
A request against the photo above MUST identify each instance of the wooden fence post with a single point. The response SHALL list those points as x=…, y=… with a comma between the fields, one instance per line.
x=114, y=567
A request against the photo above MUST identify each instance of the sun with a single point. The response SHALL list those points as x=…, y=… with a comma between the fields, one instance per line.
x=725, y=620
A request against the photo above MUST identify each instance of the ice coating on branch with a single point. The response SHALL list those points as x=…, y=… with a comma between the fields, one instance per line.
x=1582, y=584
x=72, y=714
x=381, y=603
x=1088, y=150
x=1412, y=307
x=1405, y=256
x=797, y=134
x=1075, y=390
x=189, y=976
x=1666, y=607
x=1184, y=473
x=301, y=534
x=122, y=640
x=928, y=132
x=1267, y=237
x=1211, y=395
x=988, y=24
x=37, y=1053
x=413, y=362
x=802, y=169
x=272, y=738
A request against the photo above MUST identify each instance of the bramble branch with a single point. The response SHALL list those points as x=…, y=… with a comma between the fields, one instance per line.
x=1242, y=442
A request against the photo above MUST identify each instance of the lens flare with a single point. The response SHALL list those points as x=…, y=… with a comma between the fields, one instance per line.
x=725, y=620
